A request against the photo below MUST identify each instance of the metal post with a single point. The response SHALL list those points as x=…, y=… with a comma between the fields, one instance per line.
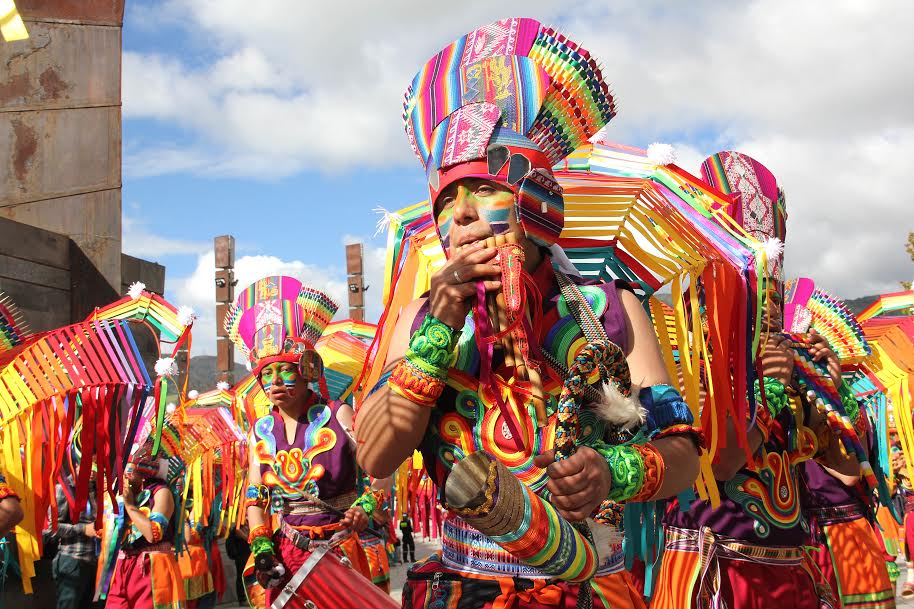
x=225, y=296
x=355, y=281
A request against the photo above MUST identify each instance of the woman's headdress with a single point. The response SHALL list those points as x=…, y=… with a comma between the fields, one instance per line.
x=277, y=319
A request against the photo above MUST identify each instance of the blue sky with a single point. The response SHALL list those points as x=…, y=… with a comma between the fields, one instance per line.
x=241, y=121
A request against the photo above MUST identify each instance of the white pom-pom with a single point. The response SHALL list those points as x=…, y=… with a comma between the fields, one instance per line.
x=166, y=366
x=599, y=136
x=186, y=315
x=384, y=221
x=774, y=249
x=622, y=411
x=222, y=386
x=193, y=394
x=248, y=365
x=661, y=154
x=170, y=407
x=136, y=289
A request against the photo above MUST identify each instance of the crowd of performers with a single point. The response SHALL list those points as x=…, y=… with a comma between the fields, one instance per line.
x=526, y=397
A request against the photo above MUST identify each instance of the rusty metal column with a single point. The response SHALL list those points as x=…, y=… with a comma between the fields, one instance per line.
x=60, y=126
x=356, y=281
x=225, y=296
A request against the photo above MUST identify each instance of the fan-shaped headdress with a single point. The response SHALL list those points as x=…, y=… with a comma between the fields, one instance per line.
x=506, y=102
x=277, y=319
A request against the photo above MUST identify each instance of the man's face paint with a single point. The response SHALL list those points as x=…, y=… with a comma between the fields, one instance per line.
x=281, y=372
x=495, y=207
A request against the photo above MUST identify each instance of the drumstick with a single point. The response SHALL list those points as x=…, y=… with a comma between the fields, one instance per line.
x=326, y=507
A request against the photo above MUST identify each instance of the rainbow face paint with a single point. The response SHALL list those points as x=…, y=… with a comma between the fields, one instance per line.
x=496, y=209
x=287, y=374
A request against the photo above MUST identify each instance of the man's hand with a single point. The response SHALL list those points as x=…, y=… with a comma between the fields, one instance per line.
x=89, y=530
x=453, y=288
x=777, y=359
x=820, y=350
x=355, y=519
x=578, y=484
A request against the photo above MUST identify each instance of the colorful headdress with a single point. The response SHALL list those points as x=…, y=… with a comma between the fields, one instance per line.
x=807, y=307
x=506, y=102
x=758, y=205
x=277, y=319
x=166, y=463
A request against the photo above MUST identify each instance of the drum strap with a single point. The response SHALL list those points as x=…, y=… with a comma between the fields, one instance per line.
x=289, y=590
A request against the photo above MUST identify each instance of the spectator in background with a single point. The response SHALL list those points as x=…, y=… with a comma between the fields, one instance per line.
x=75, y=564
x=409, y=546
x=237, y=548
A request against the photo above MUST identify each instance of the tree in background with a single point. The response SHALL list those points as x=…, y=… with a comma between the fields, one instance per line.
x=909, y=248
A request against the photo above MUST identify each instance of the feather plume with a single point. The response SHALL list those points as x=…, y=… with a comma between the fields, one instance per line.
x=166, y=366
x=774, y=249
x=222, y=386
x=186, y=315
x=661, y=154
x=385, y=220
x=136, y=289
x=193, y=394
x=618, y=409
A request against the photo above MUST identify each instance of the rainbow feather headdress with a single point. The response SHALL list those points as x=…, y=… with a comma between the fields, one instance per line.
x=506, y=102
x=278, y=319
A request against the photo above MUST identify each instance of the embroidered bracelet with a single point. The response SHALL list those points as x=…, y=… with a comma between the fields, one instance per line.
x=257, y=496
x=262, y=545
x=654, y=472
x=775, y=395
x=626, y=468
x=158, y=523
x=369, y=501
x=851, y=406
x=420, y=376
x=259, y=531
x=431, y=347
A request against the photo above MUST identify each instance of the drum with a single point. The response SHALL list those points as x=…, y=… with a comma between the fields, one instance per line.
x=325, y=581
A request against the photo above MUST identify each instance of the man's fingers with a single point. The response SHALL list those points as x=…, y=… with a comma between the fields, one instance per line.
x=569, y=485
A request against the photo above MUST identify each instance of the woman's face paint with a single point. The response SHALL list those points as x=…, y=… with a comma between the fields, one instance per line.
x=492, y=203
x=279, y=373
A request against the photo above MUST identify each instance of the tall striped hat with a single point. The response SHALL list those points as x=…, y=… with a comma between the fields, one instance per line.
x=278, y=319
x=506, y=102
x=758, y=205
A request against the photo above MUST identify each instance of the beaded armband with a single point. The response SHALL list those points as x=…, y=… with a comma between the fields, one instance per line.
x=158, y=523
x=257, y=496
x=775, y=395
x=369, y=501
x=421, y=375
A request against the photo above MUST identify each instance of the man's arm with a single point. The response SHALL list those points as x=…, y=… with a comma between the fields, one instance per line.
x=388, y=426
x=645, y=363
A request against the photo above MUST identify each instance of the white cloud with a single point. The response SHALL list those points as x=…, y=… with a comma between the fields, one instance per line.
x=140, y=242
x=816, y=90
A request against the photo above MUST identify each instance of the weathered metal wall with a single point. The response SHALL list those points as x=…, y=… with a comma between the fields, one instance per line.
x=60, y=125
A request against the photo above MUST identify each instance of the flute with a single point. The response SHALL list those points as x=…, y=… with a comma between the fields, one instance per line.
x=496, y=306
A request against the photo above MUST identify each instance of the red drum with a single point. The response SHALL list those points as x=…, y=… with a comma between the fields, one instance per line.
x=327, y=582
